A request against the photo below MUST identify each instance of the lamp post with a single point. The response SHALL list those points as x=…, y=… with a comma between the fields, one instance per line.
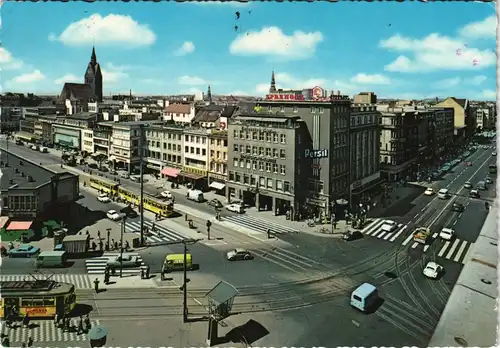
x=124, y=218
x=141, y=207
x=184, y=285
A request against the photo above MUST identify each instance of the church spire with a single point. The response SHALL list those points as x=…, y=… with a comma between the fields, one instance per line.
x=273, y=84
x=209, y=95
x=93, y=57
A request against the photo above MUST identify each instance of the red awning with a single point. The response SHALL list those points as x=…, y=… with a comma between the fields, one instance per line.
x=172, y=172
x=19, y=225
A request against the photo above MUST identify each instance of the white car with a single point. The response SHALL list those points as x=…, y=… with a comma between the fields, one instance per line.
x=235, y=208
x=104, y=198
x=239, y=254
x=447, y=234
x=433, y=270
x=429, y=191
x=389, y=225
x=468, y=185
x=113, y=215
x=124, y=175
x=494, y=153
x=166, y=194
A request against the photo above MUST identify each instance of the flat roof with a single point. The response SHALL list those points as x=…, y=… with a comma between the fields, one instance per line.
x=19, y=225
x=469, y=318
x=39, y=174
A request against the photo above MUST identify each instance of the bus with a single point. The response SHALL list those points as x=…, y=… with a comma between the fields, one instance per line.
x=104, y=186
x=162, y=209
x=493, y=168
x=37, y=298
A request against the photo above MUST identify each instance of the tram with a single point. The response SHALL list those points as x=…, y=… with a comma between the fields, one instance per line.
x=38, y=298
x=164, y=209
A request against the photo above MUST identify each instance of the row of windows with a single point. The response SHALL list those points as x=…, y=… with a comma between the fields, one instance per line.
x=260, y=136
x=357, y=120
x=267, y=183
x=195, y=139
x=157, y=134
x=22, y=203
x=166, y=146
x=195, y=150
x=165, y=157
x=220, y=155
x=259, y=165
x=220, y=168
x=219, y=142
x=260, y=151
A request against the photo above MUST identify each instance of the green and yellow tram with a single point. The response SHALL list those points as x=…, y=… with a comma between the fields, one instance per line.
x=104, y=186
x=38, y=299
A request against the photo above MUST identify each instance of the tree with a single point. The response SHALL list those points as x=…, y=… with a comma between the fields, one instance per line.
x=100, y=158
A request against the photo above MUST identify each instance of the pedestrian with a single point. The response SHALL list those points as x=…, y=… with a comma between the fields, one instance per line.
x=87, y=323
x=99, y=235
x=8, y=320
x=96, y=285
x=30, y=342
x=26, y=321
x=67, y=324
x=100, y=245
x=80, y=325
x=147, y=272
x=94, y=246
x=127, y=245
x=56, y=320
x=142, y=273
x=115, y=245
x=113, y=242
x=6, y=342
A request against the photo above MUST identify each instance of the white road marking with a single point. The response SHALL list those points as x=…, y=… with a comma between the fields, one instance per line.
x=443, y=249
x=460, y=251
x=408, y=239
x=452, y=250
x=398, y=234
x=466, y=257
x=435, y=235
x=414, y=246
x=382, y=234
x=426, y=247
x=373, y=223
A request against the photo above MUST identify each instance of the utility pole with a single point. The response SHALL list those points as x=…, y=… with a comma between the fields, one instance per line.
x=121, y=245
x=209, y=223
x=7, y=149
x=141, y=206
x=186, y=242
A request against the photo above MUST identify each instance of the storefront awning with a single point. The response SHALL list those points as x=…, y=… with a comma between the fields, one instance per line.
x=172, y=172
x=192, y=175
x=217, y=185
x=26, y=136
x=19, y=225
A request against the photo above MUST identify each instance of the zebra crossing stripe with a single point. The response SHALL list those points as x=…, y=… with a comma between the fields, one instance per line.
x=452, y=250
x=269, y=224
x=466, y=257
x=44, y=331
x=382, y=234
x=460, y=251
x=408, y=239
x=398, y=234
x=370, y=225
x=414, y=246
x=426, y=247
x=165, y=233
x=443, y=249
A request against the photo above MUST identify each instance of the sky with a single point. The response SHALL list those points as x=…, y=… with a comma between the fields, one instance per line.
x=397, y=50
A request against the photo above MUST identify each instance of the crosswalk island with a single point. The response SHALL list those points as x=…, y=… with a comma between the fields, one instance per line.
x=97, y=265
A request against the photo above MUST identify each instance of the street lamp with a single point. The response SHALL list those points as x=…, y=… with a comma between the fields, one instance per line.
x=184, y=285
x=124, y=218
x=141, y=175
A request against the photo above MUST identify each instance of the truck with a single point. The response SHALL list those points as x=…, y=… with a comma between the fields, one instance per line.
x=421, y=234
x=74, y=245
x=195, y=195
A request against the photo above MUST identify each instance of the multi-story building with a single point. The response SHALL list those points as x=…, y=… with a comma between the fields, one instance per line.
x=364, y=138
x=485, y=115
x=183, y=112
x=75, y=131
x=443, y=131
x=102, y=134
x=464, y=121
x=217, y=170
x=195, y=159
x=32, y=114
x=365, y=98
x=269, y=162
x=164, y=150
x=10, y=118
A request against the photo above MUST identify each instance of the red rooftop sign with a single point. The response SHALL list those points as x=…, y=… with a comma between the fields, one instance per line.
x=289, y=96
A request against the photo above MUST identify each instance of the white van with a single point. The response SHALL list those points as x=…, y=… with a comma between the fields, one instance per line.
x=44, y=149
x=195, y=195
x=364, y=297
x=443, y=194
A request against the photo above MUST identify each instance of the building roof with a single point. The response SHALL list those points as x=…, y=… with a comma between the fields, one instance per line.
x=132, y=123
x=212, y=113
x=461, y=102
x=19, y=225
x=76, y=91
x=469, y=318
x=81, y=116
x=39, y=174
x=179, y=108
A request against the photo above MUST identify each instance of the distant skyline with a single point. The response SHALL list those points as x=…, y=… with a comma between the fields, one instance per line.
x=410, y=50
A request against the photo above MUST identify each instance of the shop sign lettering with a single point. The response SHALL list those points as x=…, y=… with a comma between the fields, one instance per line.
x=323, y=153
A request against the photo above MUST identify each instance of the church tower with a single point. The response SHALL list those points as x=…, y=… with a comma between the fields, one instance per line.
x=209, y=95
x=93, y=76
x=273, y=84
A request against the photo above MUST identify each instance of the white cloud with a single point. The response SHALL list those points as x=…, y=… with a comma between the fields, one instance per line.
x=28, y=77
x=287, y=81
x=482, y=29
x=113, y=74
x=191, y=80
x=186, y=48
x=448, y=83
x=375, y=79
x=435, y=52
x=113, y=29
x=477, y=80
x=68, y=78
x=192, y=90
x=489, y=94
x=7, y=61
x=271, y=41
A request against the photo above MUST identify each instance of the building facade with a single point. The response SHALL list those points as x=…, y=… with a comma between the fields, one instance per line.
x=183, y=113
x=464, y=121
x=485, y=116
x=218, y=155
x=365, y=98
x=195, y=159
x=102, y=135
x=68, y=132
x=443, y=131
x=364, y=148
x=265, y=162
x=164, y=150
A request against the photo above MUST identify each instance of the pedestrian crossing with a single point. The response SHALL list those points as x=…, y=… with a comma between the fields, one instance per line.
x=259, y=224
x=44, y=331
x=374, y=229
x=161, y=233
x=97, y=265
x=80, y=281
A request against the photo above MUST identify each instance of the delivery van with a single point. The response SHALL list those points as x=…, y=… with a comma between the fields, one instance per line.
x=364, y=297
x=195, y=195
x=51, y=259
x=175, y=262
x=43, y=149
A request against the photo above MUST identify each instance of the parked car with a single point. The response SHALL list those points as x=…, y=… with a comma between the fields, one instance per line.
x=468, y=164
x=458, y=207
x=433, y=270
x=129, y=212
x=235, y=208
x=113, y=172
x=113, y=215
x=468, y=185
x=488, y=180
x=127, y=261
x=447, y=234
x=124, y=175
x=494, y=153
x=239, y=254
x=25, y=250
x=93, y=165
x=103, y=198
x=352, y=235
x=429, y=191
x=166, y=194
x=474, y=193
x=215, y=203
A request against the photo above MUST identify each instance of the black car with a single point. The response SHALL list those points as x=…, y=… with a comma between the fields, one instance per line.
x=103, y=169
x=93, y=165
x=352, y=235
x=215, y=203
x=129, y=212
x=458, y=207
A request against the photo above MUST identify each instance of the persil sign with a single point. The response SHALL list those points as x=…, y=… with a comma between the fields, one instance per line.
x=284, y=97
x=323, y=153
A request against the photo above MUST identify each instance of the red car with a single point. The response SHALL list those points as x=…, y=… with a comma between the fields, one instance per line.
x=468, y=164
